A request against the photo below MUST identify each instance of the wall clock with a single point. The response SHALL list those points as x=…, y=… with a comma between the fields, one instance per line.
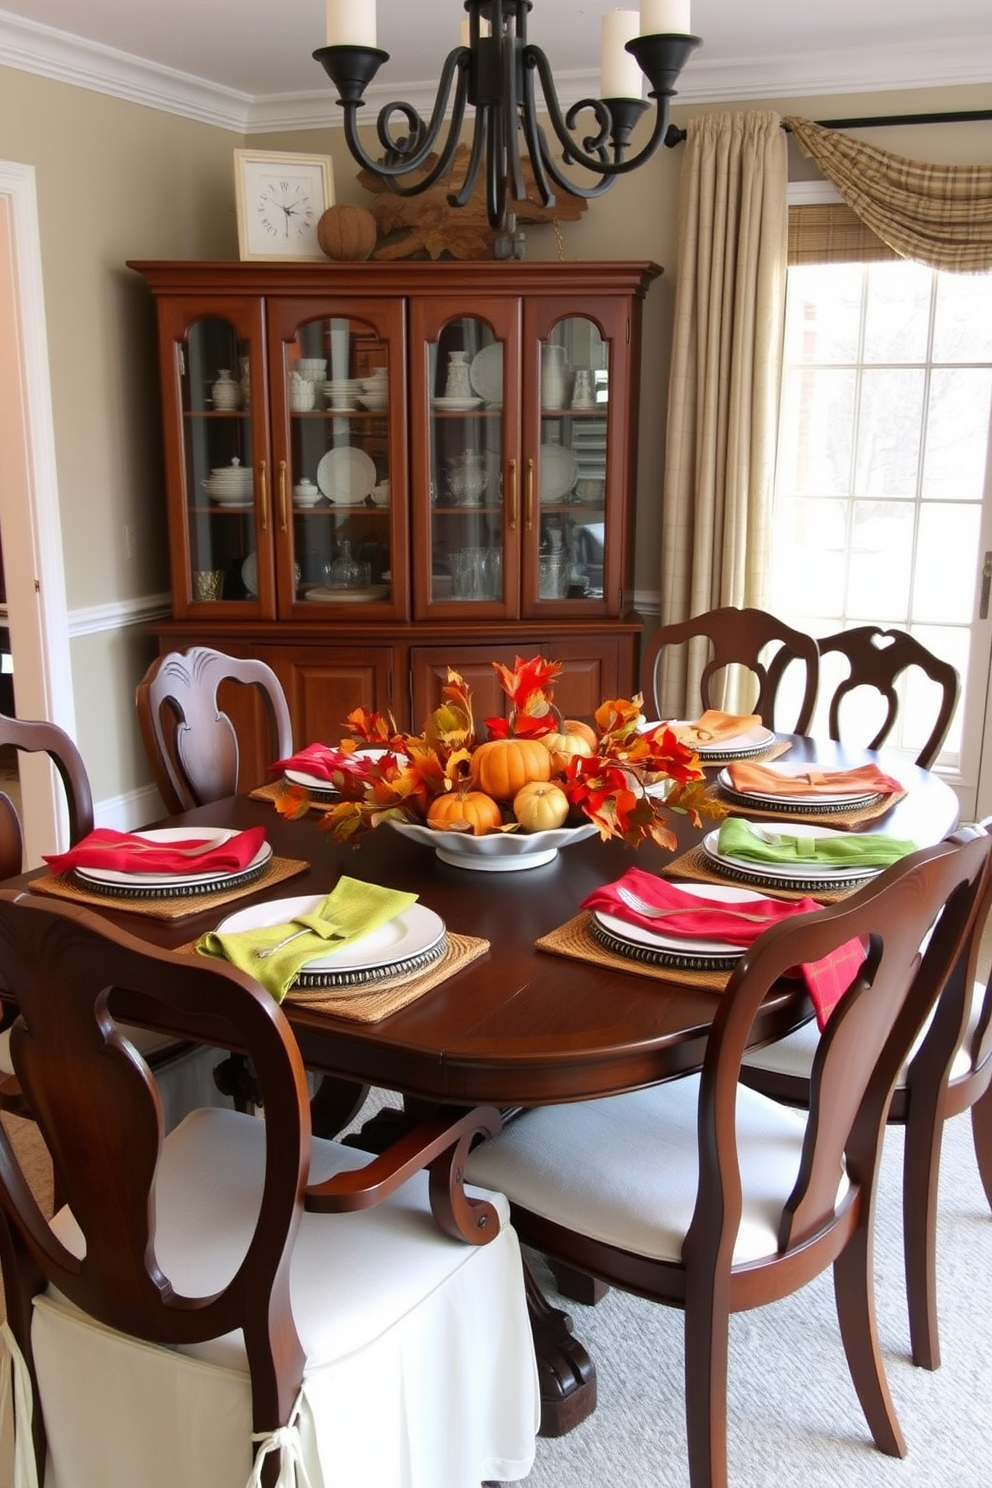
x=280, y=198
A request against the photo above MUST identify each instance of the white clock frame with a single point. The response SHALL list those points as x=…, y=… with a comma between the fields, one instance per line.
x=257, y=170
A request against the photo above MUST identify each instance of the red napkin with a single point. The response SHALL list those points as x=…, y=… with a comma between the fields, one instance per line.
x=127, y=852
x=766, y=780
x=321, y=761
x=714, y=919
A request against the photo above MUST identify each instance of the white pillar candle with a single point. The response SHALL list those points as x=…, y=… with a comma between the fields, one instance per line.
x=620, y=73
x=665, y=18
x=351, y=23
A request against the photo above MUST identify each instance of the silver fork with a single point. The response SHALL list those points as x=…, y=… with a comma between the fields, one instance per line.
x=271, y=950
x=652, y=912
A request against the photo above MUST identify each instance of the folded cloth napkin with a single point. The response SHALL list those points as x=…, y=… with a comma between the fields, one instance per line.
x=352, y=909
x=767, y=780
x=712, y=727
x=321, y=761
x=129, y=852
x=700, y=918
x=752, y=844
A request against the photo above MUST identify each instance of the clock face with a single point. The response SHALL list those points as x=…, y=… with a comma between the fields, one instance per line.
x=286, y=209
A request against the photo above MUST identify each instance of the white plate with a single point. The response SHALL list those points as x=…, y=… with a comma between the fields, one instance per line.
x=346, y=475
x=558, y=469
x=318, y=783
x=249, y=574
x=787, y=871
x=366, y=595
x=496, y=852
x=844, y=798
x=486, y=373
x=239, y=501
x=411, y=933
x=757, y=738
x=455, y=405
x=658, y=940
x=165, y=835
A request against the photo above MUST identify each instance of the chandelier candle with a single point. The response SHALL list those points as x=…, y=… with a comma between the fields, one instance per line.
x=620, y=73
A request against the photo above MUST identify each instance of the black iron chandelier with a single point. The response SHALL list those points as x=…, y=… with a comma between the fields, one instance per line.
x=495, y=71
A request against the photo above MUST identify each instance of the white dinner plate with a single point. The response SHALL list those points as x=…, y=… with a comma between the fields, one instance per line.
x=558, y=471
x=455, y=405
x=412, y=933
x=346, y=475
x=486, y=372
x=661, y=941
x=164, y=835
x=318, y=783
x=841, y=799
x=367, y=594
x=786, y=872
x=752, y=742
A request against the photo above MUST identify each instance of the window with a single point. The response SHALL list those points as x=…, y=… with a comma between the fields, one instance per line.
x=881, y=470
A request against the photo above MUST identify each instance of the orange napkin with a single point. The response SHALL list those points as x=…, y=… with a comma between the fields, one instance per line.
x=322, y=762
x=767, y=780
x=716, y=919
x=127, y=852
x=712, y=727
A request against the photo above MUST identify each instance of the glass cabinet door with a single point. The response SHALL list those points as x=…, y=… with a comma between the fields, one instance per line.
x=465, y=382
x=566, y=562
x=340, y=471
x=223, y=464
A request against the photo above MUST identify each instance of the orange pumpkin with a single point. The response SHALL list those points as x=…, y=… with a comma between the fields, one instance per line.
x=501, y=766
x=540, y=806
x=465, y=811
x=581, y=731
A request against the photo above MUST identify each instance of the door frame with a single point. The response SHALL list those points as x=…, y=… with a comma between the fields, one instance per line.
x=29, y=507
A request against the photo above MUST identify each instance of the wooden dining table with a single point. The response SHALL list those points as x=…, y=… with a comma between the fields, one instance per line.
x=519, y=1026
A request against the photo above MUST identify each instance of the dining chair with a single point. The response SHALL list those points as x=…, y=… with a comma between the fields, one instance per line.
x=236, y=1289
x=947, y=1071
x=191, y=743
x=704, y=1195
x=749, y=638
x=183, y=1071
x=878, y=659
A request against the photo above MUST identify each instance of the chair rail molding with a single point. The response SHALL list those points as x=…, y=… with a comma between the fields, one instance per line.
x=93, y=619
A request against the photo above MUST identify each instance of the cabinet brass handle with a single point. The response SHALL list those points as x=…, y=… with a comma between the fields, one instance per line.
x=529, y=514
x=263, y=481
x=282, y=495
x=514, y=493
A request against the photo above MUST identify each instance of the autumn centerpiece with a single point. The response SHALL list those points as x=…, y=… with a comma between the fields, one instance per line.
x=532, y=772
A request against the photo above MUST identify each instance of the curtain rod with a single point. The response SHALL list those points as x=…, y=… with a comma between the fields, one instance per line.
x=676, y=136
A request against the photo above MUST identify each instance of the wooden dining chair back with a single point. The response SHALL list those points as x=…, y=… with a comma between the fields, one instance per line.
x=37, y=737
x=197, y=1243
x=948, y=1071
x=885, y=660
x=753, y=639
x=191, y=742
x=703, y=1195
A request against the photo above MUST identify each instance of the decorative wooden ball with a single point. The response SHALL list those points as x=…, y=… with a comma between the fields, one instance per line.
x=347, y=232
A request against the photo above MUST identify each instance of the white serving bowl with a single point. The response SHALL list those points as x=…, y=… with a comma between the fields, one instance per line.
x=373, y=400
x=496, y=852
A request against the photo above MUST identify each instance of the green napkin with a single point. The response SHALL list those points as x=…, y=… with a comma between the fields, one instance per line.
x=758, y=844
x=352, y=909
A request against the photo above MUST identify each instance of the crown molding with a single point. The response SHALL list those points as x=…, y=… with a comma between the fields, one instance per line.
x=31, y=47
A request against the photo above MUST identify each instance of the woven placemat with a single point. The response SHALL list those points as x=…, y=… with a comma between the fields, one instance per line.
x=369, y=1005
x=61, y=886
x=850, y=820
x=575, y=939
x=697, y=865
x=271, y=793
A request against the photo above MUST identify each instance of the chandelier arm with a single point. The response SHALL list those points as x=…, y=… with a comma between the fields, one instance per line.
x=576, y=155
x=423, y=137
x=537, y=145
x=463, y=195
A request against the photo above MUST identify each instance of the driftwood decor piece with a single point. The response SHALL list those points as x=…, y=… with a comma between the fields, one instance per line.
x=426, y=226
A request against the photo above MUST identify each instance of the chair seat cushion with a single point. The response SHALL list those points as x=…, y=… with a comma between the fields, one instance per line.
x=420, y=1367
x=624, y=1171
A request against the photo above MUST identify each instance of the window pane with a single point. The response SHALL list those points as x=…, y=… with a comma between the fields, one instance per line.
x=957, y=433
x=881, y=559
x=824, y=312
x=889, y=433
x=897, y=316
x=816, y=432
x=946, y=549
x=817, y=530
x=962, y=330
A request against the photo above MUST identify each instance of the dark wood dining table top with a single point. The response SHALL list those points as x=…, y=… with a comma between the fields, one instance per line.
x=518, y=1026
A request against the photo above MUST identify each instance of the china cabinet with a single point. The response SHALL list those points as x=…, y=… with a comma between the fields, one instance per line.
x=377, y=470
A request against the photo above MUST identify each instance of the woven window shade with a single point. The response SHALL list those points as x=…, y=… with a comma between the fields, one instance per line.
x=831, y=232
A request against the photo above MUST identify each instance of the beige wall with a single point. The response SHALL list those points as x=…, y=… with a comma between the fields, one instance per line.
x=116, y=181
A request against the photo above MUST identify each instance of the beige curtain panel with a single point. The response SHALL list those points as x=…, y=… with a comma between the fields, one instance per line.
x=726, y=360
x=940, y=215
